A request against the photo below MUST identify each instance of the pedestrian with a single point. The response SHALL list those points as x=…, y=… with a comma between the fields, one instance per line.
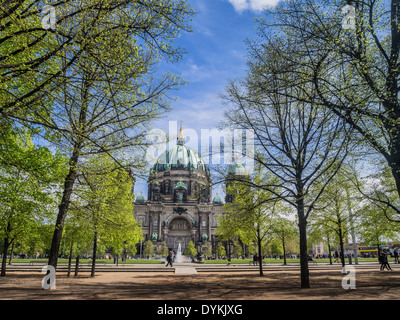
x=336, y=256
x=380, y=259
x=255, y=259
x=386, y=261
x=396, y=255
x=169, y=259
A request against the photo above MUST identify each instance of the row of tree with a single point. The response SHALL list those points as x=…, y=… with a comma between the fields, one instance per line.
x=320, y=96
x=76, y=98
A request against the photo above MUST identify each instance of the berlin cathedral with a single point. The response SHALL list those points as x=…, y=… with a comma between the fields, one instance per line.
x=179, y=206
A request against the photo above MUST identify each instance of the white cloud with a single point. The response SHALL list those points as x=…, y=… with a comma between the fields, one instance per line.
x=253, y=5
x=239, y=5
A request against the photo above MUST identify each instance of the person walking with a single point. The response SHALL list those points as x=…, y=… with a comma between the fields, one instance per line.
x=336, y=256
x=396, y=255
x=380, y=259
x=169, y=259
x=255, y=259
x=386, y=261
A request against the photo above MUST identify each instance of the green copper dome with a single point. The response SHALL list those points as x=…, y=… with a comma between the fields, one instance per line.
x=180, y=157
x=140, y=197
x=237, y=169
x=217, y=199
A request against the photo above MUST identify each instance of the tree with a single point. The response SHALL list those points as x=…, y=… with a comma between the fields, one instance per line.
x=250, y=249
x=148, y=249
x=162, y=249
x=353, y=71
x=91, y=82
x=106, y=102
x=374, y=228
x=298, y=143
x=27, y=175
x=379, y=189
x=207, y=249
x=220, y=249
x=190, y=250
x=75, y=237
x=104, y=202
x=249, y=215
x=30, y=65
x=237, y=249
x=321, y=230
x=285, y=230
x=335, y=217
x=275, y=247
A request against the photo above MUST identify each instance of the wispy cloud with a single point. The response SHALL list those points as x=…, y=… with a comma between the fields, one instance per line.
x=253, y=5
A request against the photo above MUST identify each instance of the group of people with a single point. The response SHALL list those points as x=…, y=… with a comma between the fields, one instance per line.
x=257, y=259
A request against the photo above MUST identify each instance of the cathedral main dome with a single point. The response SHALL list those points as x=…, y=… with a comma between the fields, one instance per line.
x=180, y=157
x=180, y=176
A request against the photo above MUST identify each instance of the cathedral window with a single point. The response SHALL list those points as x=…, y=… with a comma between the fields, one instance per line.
x=179, y=224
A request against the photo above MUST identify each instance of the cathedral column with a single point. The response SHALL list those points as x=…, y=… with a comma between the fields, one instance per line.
x=209, y=226
x=200, y=223
x=159, y=226
x=150, y=224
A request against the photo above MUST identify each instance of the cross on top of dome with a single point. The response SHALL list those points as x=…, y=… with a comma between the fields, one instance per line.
x=181, y=138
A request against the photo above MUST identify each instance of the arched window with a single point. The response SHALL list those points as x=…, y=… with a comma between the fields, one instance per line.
x=179, y=224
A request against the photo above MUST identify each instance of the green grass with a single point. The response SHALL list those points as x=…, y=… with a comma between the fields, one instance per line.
x=233, y=261
x=86, y=261
x=270, y=260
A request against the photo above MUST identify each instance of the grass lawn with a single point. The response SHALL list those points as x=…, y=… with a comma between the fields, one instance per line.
x=108, y=261
x=271, y=260
x=155, y=261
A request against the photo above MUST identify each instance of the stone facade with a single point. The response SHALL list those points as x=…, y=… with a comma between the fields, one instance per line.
x=179, y=208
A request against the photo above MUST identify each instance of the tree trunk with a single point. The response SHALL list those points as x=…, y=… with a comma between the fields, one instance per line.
x=94, y=255
x=4, y=260
x=76, y=266
x=395, y=166
x=259, y=252
x=351, y=219
x=341, y=242
x=304, y=271
x=63, y=207
x=284, y=251
x=11, y=253
x=329, y=250
x=379, y=250
x=70, y=260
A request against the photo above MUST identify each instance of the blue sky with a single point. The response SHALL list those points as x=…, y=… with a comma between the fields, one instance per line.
x=216, y=53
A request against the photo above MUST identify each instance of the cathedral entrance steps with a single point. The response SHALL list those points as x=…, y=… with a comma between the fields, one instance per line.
x=185, y=270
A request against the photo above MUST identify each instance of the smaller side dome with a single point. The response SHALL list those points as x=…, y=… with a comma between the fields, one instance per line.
x=217, y=199
x=237, y=169
x=140, y=198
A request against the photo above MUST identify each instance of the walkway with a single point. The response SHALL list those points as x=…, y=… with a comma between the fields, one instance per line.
x=190, y=268
x=185, y=270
